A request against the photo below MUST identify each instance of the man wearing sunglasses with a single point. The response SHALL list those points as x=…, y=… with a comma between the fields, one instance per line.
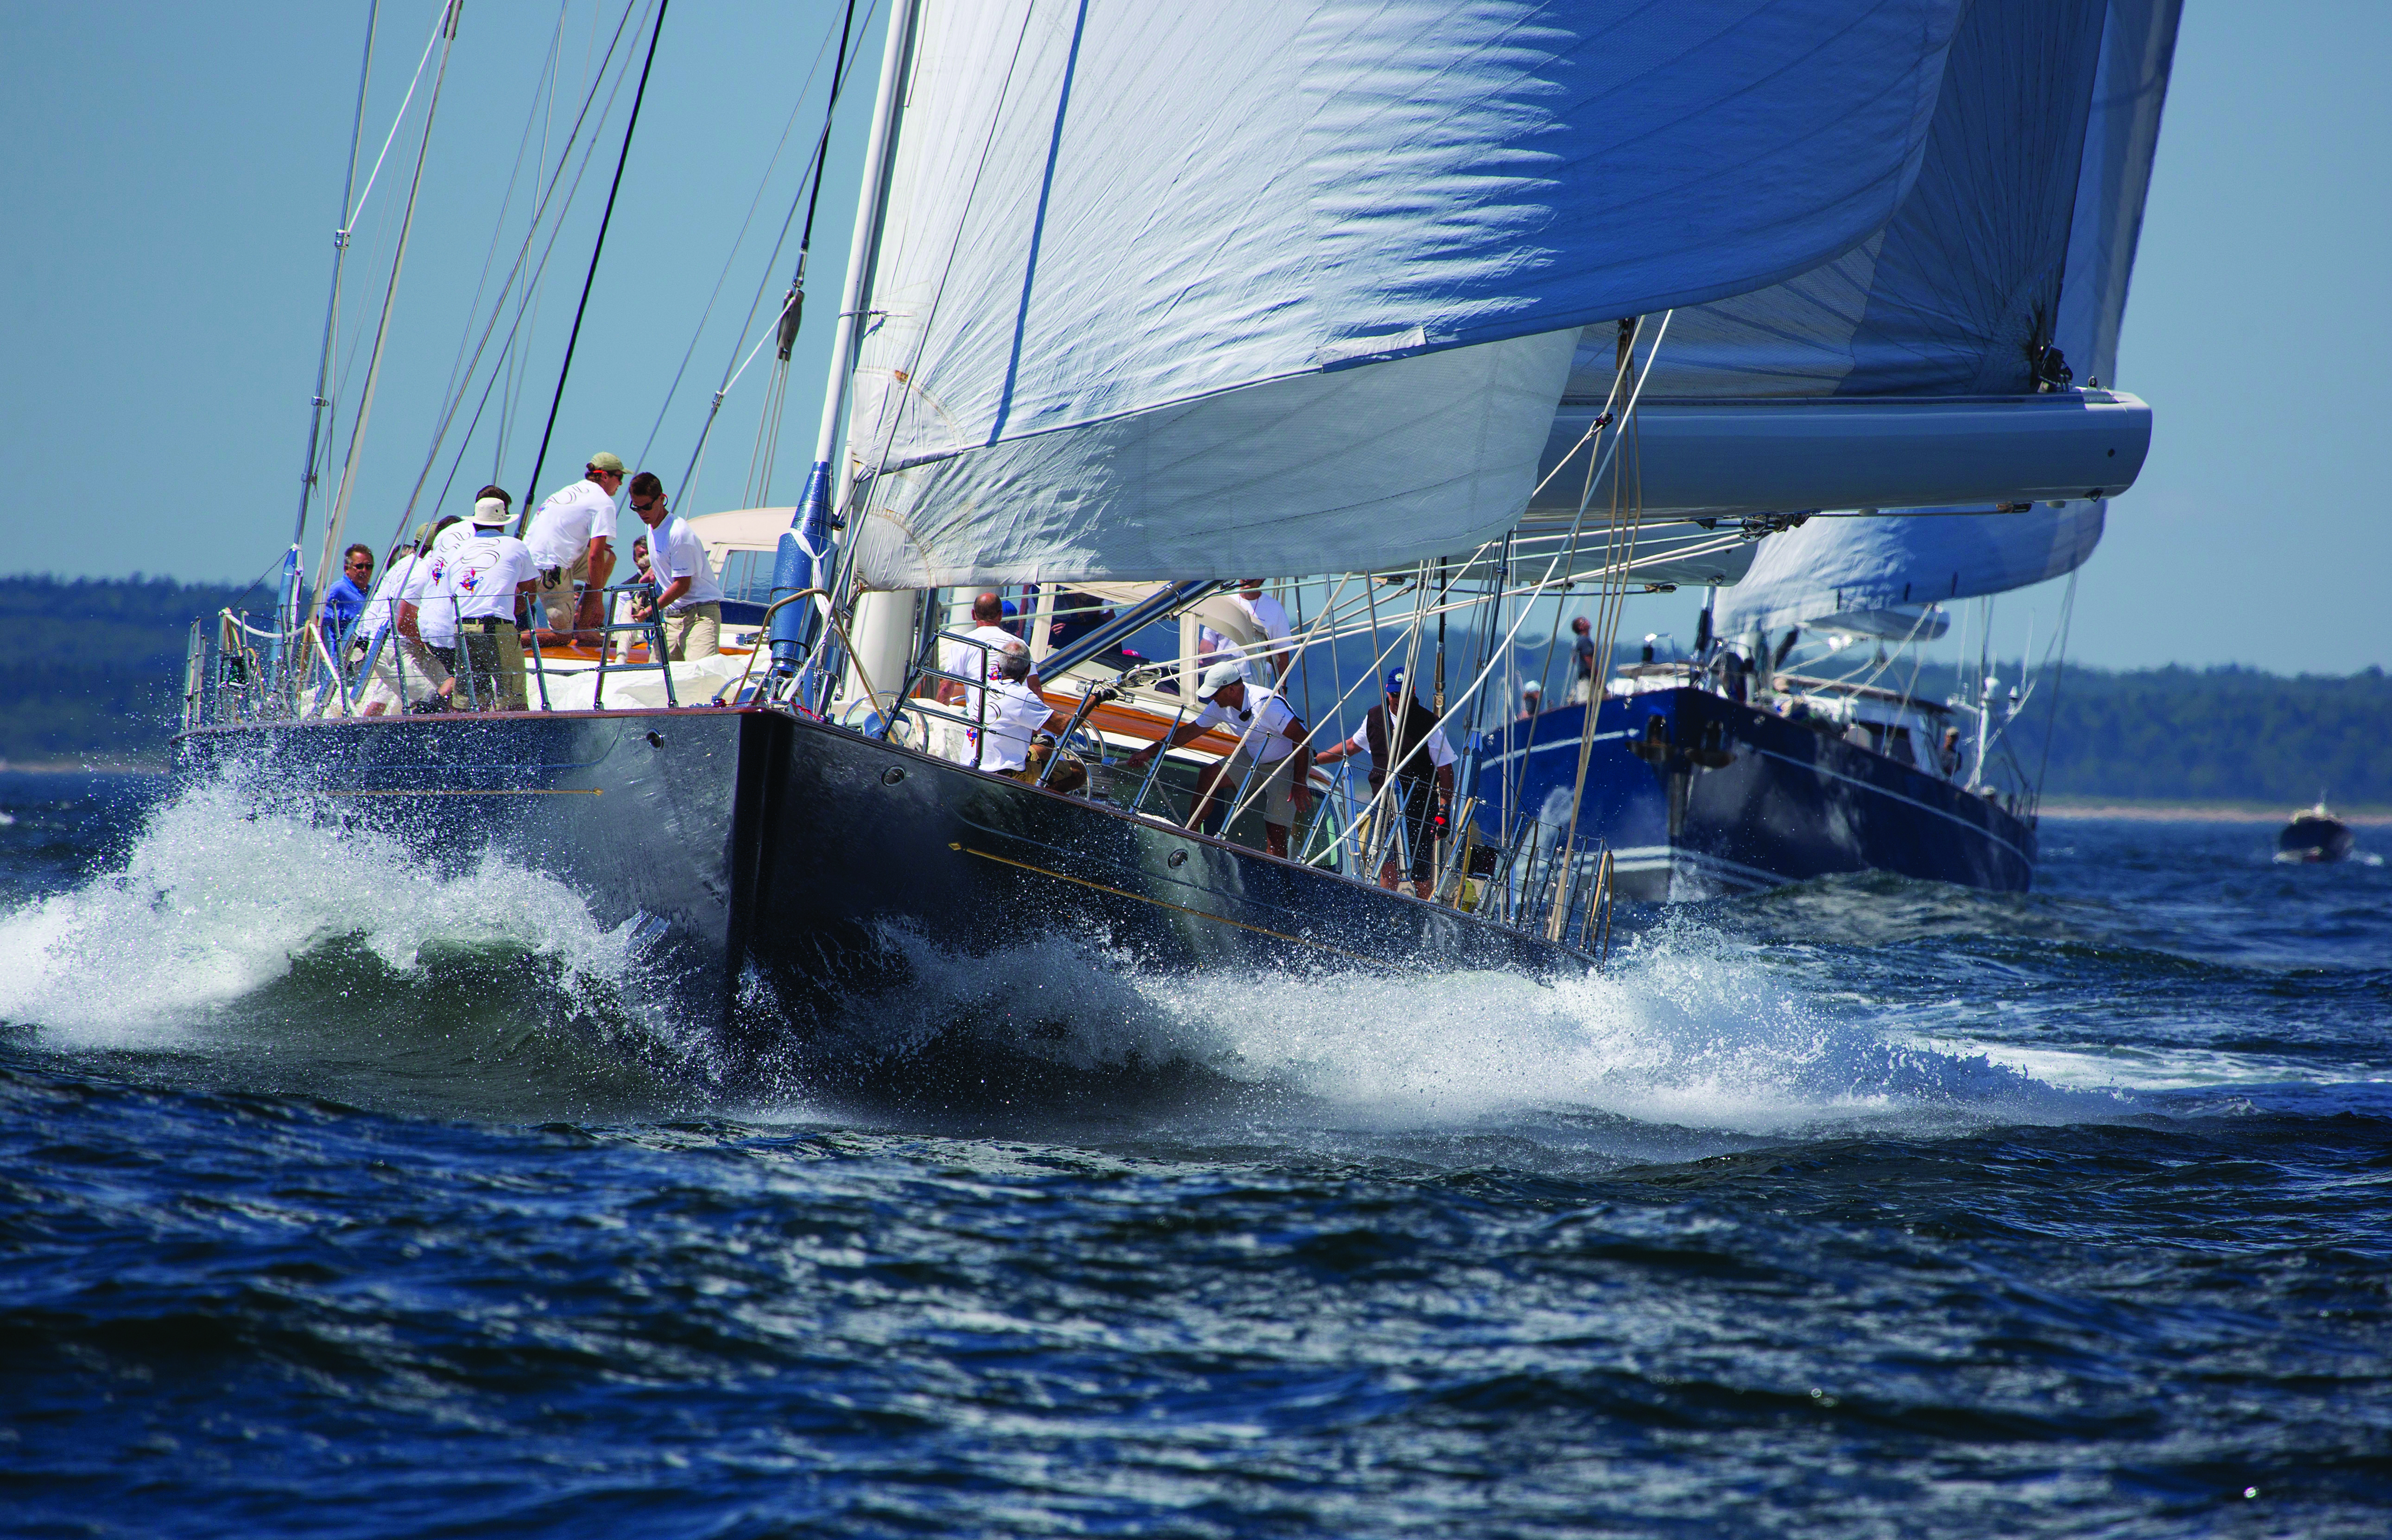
x=690, y=597
x=345, y=600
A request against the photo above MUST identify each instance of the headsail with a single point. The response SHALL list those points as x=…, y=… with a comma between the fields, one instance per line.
x=1845, y=566
x=1844, y=386
x=1132, y=250
x=1856, y=567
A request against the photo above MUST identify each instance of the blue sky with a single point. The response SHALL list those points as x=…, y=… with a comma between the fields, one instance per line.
x=174, y=177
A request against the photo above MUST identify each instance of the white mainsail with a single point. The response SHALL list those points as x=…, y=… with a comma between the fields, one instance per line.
x=1256, y=286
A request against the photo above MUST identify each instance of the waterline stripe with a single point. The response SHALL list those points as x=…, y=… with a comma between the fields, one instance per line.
x=496, y=791
x=1163, y=903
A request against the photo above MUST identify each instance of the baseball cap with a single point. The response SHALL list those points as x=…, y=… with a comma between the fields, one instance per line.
x=1219, y=677
x=602, y=460
x=1395, y=681
x=1532, y=688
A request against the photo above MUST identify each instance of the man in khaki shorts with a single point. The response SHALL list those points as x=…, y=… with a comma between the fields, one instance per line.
x=571, y=538
x=687, y=591
x=1271, y=744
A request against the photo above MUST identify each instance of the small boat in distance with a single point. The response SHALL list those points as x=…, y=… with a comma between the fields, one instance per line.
x=2314, y=834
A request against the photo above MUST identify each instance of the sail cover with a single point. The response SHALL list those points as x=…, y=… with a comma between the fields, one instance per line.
x=1133, y=253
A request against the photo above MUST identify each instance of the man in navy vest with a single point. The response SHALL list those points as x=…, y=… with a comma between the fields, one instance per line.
x=1401, y=735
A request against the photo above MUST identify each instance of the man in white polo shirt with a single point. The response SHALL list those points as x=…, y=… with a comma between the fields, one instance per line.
x=480, y=583
x=1271, y=746
x=572, y=539
x=688, y=594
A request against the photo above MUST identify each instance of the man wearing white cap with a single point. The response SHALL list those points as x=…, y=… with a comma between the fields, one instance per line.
x=1532, y=699
x=572, y=539
x=481, y=582
x=689, y=596
x=1270, y=743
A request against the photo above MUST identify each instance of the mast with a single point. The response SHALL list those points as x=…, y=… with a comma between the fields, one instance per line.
x=287, y=603
x=804, y=557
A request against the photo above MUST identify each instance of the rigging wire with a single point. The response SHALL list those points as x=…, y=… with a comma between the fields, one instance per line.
x=317, y=402
x=841, y=74
x=347, y=486
x=597, y=247
x=530, y=235
x=762, y=184
x=528, y=298
x=498, y=223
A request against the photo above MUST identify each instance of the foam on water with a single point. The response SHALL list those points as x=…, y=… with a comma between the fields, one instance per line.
x=221, y=898
x=1685, y=1030
x=220, y=895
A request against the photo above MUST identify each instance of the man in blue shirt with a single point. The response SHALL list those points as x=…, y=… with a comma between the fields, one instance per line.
x=344, y=600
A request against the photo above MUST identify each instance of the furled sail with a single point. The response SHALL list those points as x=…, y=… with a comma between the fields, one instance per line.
x=1277, y=286
x=1845, y=567
x=1908, y=369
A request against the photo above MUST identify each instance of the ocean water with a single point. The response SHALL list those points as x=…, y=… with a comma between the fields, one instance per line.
x=340, y=1198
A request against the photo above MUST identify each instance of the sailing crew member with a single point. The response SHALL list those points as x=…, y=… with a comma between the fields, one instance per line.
x=1022, y=732
x=424, y=614
x=1394, y=735
x=404, y=672
x=483, y=582
x=690, y=598
x=1583, y=661
x=973, y=656
x=572, y=539
x=1532, y=699
x=1270, y=618
x=1266, y=617
x=1271, y=746
x=345, y=600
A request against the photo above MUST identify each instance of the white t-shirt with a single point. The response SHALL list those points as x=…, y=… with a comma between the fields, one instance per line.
x=566, y=525
x=451, y=537
x=967, y=661
x=481, y=576
x=675, y=552
x=1015, y=711
x=1261, y=724
x=435, y=616
x=1440, y=753
x=382, y=610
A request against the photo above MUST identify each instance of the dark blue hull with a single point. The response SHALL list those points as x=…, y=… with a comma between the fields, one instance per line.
x=1698, y=795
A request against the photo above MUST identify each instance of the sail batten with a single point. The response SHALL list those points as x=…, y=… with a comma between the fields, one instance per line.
x=1113, y=212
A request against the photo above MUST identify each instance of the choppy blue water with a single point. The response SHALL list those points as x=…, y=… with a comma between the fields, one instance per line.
x=338, y=1199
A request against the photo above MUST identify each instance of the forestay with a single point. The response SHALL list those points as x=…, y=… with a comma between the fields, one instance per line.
x=1133, y=252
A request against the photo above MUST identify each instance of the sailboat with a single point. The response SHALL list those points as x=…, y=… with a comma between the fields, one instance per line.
x=1148, y=296
x=1941, y=353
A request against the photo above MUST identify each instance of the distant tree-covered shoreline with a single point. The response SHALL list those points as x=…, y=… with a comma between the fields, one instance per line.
x=93, y=671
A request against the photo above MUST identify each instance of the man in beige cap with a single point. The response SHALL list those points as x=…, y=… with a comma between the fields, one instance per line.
x=572, y=539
